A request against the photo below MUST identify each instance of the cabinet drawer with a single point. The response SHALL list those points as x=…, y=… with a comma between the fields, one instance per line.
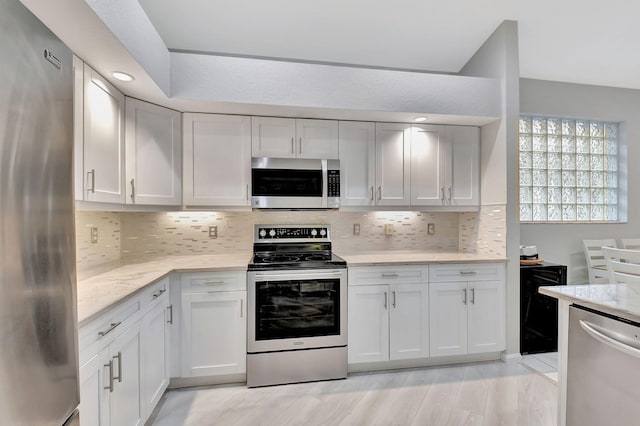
x=388, y=275
x=154, y=293
x=466, y=272
x=200, y=282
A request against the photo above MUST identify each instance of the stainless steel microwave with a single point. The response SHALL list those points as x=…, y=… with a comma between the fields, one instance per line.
x=291, y=183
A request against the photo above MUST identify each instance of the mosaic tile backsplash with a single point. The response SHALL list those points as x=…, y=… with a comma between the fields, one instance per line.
x=137, y=236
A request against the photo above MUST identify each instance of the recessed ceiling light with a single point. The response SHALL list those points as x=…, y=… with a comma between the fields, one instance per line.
x=420, y=119
x=122, y=76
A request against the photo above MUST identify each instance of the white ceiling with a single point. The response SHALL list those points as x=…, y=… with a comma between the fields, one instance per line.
x=582, y=41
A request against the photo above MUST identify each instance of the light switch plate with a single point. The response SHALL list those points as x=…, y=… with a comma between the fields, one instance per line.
x=431, y=228
x=356, y=229
x=213, y=231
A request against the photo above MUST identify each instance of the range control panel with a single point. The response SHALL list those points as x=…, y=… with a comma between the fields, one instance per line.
x=302, y=232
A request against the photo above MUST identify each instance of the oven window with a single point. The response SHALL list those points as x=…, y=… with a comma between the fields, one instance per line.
x=297, y=308
x=286, y=183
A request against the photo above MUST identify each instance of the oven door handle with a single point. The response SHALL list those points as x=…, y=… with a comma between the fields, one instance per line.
x=283, y=277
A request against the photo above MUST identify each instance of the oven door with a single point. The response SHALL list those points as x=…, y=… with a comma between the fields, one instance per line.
x=296, y=309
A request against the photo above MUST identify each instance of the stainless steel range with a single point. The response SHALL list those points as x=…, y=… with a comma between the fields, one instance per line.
x=297, y=315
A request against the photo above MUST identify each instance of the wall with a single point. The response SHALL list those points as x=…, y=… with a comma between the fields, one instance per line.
x=107, y=250
x=562, y=243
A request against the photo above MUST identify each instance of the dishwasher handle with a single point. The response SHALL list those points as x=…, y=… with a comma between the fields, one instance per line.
x=610, y=338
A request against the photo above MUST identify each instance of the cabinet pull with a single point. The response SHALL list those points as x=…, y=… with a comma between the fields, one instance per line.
x=158, y=294
x=109, y=330
x=389, y=275
x=300, y=145
x=110, y=365
x=93, y=180
x=379, y=193
x=170, y=308
x=465, y=296
x=442, y=192
x=372, y=193
x=385, y=300
x=449, y=194
x=247, y=192
x=213, y=282
x=393, y=293
x=241, y=308
x=133, y=190
x=467, y=272
x=119, y=358
x=473, y=296
x=292, y=148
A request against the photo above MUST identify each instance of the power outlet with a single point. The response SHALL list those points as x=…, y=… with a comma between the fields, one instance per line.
x=431, y=228
x=213, y=232
x=94, y=234
x=356, y=229
x=388, y=229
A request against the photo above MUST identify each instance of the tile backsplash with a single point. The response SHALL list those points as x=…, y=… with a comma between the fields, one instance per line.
x=133, y=236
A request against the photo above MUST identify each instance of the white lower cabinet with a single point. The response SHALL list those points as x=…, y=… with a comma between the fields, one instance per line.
x=214, y=325
x=467, y=309
x=388, y=321
x=125, y=404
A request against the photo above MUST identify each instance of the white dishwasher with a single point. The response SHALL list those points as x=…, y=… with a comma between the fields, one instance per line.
x=603, y=371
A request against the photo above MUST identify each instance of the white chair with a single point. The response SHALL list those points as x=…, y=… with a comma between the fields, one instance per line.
x=630, y=243
x=623, y=265
x=596, y=265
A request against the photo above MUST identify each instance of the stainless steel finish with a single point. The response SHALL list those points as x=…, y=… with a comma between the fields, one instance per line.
x=170, y=308
x=111, y=378
x=317, y=239
x=468, y=273
x=92, y=172
x=159, y=293
x=385, y=300
x=393, y=296
x=300, y=146
x=371, y=193
x=292, y=142
x=449, y=194
x=273, y=368
x=241, y=308
x=389, y=275
x=110, y=329
x=473, y=296
x=73, y=420
x=247, y=192
x=379, y=193
x=133, y=189
x=217, y=282
x=295, y=343
x=442, y=192
x=293, y=202
x=465, y=296
x=603, y=370
x=38, y=319
x=119, y=358
x=52, y=58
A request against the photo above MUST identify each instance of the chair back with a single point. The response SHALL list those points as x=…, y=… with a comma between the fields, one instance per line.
x=630, y=243
x=623, y=266
x=596, y=264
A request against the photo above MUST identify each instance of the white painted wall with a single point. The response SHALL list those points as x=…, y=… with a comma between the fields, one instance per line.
x=562, y=243
x=498, y=58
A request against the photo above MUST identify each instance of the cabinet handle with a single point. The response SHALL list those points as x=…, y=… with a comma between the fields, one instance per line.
x=110, y=365
x=241, y=308
x=385, y=300
x=292, y=149
x=393, y=293
x=442, y=192
x=110, y=329
x=119, y=358
x=467, y=272
x=389, y=275
x=465, y=296
x=379, y=193
x=473, y=296
x=449, y=194
x=158, y=294
x=213, y=282
x=170, y=308
x=133, y=190
x=371, y=193
x=93, y=180
x=300, y=144
x=247, y=192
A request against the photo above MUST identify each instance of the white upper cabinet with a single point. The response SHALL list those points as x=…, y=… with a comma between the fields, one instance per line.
x=357, y=163
x=217, y=160
x=294, y=138
x=103, y=140
x=392, y=164
x=153, y=141
x=445, y=162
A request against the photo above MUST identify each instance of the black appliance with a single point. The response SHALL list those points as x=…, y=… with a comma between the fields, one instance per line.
x=539, y=313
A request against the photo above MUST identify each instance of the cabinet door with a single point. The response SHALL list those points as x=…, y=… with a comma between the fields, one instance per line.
x=214, y=333
x=273, y=137
x=409, y=321
x=153, y=141
x=464, y=186
x=217, y=160
x=448, y=318
x=126, y=405
x=392, y=164
x=368, y=323
x=94, y=398
x=103, y=142
x=357, y=163
x=487, y=313
x=428, y=165
x=155, y=350
x=317, y=139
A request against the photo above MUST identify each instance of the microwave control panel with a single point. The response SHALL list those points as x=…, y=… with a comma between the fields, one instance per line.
x=333, y=183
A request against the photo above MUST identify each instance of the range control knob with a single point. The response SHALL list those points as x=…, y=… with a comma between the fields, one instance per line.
x=323, y=232
x=272, y=233
x=263, y=233
x=314, y=232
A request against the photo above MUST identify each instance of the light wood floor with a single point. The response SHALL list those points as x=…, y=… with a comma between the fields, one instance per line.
x=493, y=393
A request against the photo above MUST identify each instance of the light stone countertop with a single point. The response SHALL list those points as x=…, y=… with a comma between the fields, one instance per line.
x=622, y=300
x=104, y=290
x=408, y=257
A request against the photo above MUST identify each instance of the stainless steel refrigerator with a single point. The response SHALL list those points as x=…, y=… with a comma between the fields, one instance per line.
x=38, y=327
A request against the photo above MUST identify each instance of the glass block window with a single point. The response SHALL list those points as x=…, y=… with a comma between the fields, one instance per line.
x=568, y=170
